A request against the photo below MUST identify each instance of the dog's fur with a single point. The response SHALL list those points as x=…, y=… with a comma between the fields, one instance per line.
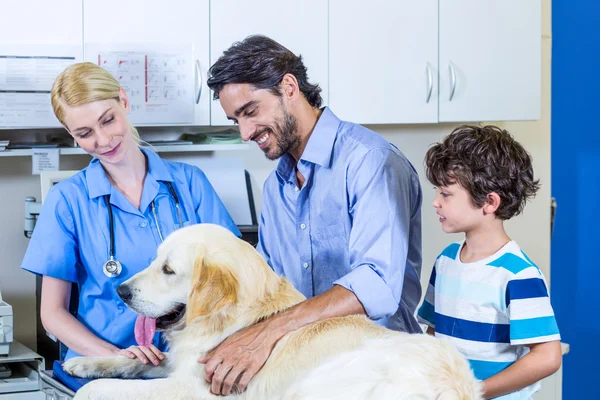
x=227, y=286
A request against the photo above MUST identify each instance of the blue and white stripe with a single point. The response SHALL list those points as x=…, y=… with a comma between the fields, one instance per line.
x=490, y=309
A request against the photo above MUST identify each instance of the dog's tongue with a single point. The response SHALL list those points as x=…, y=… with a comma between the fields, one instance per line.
x=144, y=330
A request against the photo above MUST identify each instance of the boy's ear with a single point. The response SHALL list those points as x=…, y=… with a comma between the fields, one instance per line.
x=492, y=203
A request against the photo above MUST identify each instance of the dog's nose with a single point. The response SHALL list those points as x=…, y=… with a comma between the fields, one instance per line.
x=124, y=292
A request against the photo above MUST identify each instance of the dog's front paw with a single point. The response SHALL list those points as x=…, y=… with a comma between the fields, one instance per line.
x=88, y=367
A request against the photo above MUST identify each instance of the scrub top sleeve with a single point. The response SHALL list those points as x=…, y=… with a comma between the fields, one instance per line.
x=209, y=207
x=53, y=249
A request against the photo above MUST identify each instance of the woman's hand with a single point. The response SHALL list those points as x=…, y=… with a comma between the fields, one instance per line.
x=144, y=353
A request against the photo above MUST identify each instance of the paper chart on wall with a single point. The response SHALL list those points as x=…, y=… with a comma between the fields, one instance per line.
x=27, y=73
x=158, y=80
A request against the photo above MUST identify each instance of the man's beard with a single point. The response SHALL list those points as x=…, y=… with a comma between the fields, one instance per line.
x=286, y=136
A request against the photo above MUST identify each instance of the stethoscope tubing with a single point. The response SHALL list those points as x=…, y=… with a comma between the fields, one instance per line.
x=112, y=224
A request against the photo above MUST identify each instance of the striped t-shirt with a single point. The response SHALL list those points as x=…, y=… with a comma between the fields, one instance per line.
x=490, y=309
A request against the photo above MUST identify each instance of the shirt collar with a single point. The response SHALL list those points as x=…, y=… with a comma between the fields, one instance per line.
x=156, y=166
x=98, y=184
x=319, y=147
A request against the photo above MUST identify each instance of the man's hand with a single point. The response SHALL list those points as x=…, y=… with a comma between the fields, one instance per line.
x=238, y=358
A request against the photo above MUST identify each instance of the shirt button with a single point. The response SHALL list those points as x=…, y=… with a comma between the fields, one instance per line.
x=143, y=223
x=296, y=188
x=303, y=226
x=305, y=265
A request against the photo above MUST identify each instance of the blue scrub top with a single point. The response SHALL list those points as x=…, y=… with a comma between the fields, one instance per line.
x=71, y=239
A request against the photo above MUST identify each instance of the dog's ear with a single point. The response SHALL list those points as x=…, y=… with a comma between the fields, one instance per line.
x=214, y=289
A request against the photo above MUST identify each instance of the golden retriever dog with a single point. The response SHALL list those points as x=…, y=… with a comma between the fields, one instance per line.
x=205, y=284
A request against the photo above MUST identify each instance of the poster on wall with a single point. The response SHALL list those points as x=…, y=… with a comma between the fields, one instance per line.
x=158, y=80
x=27, y=73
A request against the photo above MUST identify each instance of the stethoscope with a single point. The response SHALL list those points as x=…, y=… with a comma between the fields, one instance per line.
x=112, y=268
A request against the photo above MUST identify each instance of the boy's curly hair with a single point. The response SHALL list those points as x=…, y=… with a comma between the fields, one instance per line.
x=484, y=160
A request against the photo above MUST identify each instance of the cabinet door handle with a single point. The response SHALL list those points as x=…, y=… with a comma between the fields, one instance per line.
x=452, y=80
x=198, y=81
x=429, y=83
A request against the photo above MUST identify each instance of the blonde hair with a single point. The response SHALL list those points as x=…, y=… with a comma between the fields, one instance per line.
x=83, y=83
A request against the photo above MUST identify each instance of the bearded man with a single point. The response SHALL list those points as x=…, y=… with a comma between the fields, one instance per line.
x=341, y=213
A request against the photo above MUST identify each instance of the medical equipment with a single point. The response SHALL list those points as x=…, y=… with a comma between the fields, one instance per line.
x=32, y=210
x=112, y=268
x=32, y=206
x=6, y=327
x=5, y=371
x=22, y=374
x=53, y=388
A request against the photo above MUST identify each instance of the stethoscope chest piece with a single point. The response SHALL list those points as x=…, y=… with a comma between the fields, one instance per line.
x=112, y=268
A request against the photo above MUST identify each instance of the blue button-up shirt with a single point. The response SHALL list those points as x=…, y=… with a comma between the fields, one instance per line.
x=356, y=221
x=71, y=238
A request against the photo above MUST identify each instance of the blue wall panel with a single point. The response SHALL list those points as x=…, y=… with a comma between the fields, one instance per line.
x=575, y=275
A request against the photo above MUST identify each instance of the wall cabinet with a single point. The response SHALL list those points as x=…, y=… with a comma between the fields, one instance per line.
x=490, y=60
x=35, y=30
x=56, y=22
x=378, y=62
x=299, y=25
x=383, y=60
x=384, y=65
x=134, y=24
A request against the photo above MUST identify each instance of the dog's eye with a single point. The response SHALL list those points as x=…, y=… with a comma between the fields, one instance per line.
x=167, y=271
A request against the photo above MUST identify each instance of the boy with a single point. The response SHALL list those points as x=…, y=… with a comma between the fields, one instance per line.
x=485, y=295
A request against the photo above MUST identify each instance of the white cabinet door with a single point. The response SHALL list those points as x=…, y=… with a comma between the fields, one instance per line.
x=383, y=59
x=46, y=36
x=156, y=23
x=490, y=60
x=299, y=25
x=41, y=22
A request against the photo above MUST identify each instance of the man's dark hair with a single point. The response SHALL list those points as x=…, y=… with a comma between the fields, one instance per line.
x=484, y=160
x=261, y=62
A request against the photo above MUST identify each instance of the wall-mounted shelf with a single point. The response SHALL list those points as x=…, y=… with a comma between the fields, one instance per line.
x=65, y=151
